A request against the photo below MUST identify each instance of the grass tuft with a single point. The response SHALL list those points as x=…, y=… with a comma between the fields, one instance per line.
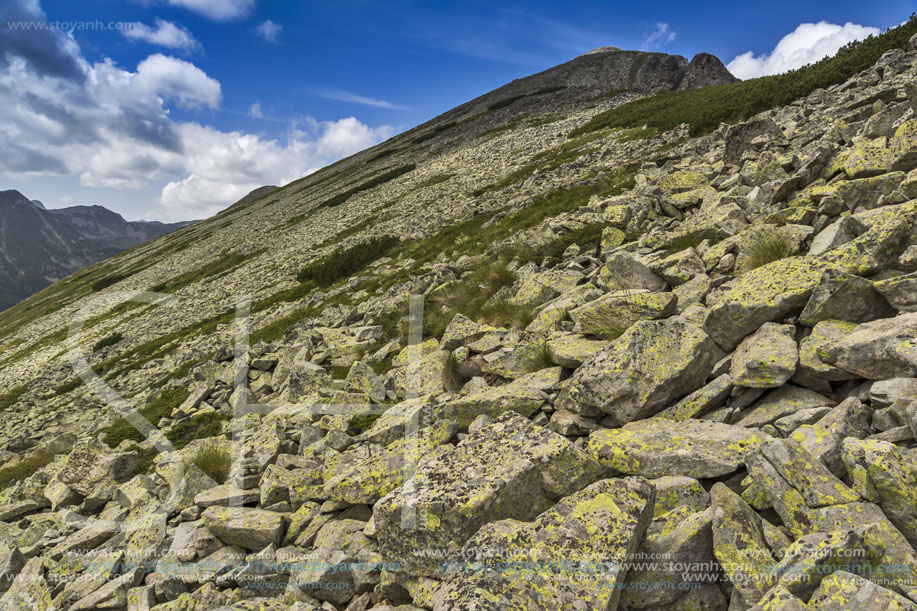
x=540, y=358
x=214, y=459
x=767, y=248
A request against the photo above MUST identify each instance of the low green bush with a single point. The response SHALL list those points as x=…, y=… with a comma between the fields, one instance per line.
x=160, y=408
x=200, y=426
x=392, y=174
x=26, y=467
x=108, y=340
x=9, y=398
x=108, y=281
x=346, y=262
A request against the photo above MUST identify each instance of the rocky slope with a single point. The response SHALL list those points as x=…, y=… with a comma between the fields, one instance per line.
x=653, y=372
x=39, y=246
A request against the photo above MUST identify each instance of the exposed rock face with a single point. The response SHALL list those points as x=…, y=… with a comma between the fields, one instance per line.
x=39, y=246
x=510, y=469
x=642, y=372
x=655, y=372
x=615, y=513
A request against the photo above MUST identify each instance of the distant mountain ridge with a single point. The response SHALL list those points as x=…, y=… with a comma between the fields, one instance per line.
x=40, y=246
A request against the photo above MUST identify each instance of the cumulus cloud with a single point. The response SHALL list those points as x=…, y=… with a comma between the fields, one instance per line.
x=224, y=166
x=346, y=96
x=255, y=110
x=112, y=128
x=806, y=44
x=217, y=9
x=661, y=35
x=175, y=80
x=52, y=52
x=165, y=34
x=269, y=30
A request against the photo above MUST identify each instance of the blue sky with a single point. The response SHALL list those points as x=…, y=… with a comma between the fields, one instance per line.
x=195, y=102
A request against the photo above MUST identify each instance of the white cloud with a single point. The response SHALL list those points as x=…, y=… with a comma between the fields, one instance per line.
x=661, y=35
x=269, y=30
x=217, y=9
x=176, y=80
x=225, y=166
x=806, y=44
x=111, y=127
x=165, y=34
x=255, y=110
x=346, y=96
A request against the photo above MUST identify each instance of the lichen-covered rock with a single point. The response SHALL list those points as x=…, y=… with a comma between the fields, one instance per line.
x=625, y=271
x=885, y=475
x=568, y=557
x=684, y=540
x=764, y=294
x=843, y=591
x=739, y=544
x=823, y=438
x=824, y=334
x=876, y=248
x=29, y=591
x=677, y=490
x=877, y=350
x=509, y=469
x=614, y=312
x=900, y=292
x=657, y=447
x=779, y=598
x=518, y=396
x=680, y=267
x=536, y=289
x=571, y=350
x=91, y=462
x=252, y=529
x=812, y=557
x=843, y=296
x=652, y=365
x=781, y=402
x=865, y=158
x=362, y=379
x=226, y=495
x=765, y=359
x=711, y=396
x=796, y=470
x=342, y=563
x=376, y=476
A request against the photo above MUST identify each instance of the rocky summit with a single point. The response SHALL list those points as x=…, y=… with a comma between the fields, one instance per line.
x=523, y=356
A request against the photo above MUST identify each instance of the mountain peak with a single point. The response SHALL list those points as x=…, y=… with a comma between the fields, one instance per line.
x=601, y=50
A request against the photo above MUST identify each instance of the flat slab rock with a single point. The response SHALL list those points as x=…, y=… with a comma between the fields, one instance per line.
x=599, y=527
x=878, y=350
x=645, y=370
x=657, y=447
x=508, y=469
x=252, y=529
